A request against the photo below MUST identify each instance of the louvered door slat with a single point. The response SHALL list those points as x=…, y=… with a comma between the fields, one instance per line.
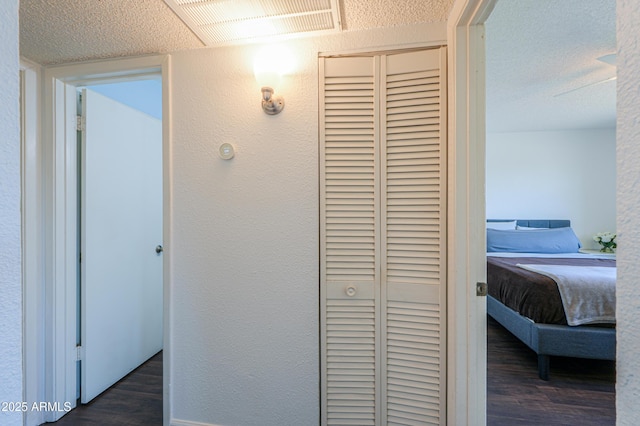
x=394, y=76
x=405, y=107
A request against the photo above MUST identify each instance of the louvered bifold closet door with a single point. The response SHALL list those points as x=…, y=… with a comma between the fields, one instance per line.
x=413, y=237
x=382, y=208
x=348, y=234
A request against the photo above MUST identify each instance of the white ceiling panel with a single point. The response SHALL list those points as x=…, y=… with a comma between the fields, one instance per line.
x=220, y=22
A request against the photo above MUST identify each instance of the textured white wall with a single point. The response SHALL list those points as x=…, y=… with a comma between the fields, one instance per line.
x=628, y=158
x=245, y=257
x=554, y=175
x=10, y=272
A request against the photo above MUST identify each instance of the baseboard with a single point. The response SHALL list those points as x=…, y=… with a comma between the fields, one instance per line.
x=178, y=422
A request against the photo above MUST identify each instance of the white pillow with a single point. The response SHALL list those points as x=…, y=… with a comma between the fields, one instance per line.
x=507, y=225
x=526, y=228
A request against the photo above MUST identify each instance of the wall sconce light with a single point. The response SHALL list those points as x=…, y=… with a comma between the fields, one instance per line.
x=268, y=67
x=271, y=104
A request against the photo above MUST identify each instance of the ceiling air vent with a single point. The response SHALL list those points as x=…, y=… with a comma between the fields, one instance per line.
x=219, y=22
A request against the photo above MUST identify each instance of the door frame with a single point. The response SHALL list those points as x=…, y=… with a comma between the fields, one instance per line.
x=467, y=345
x=32, y=238
x=59, y=195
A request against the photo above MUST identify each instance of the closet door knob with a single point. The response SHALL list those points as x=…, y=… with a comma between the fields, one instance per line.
x=159, y=249
x=351, y=290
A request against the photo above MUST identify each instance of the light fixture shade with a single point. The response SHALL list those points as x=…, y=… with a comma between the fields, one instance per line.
x=267, y=76
x=271, y=63
x=268, y=67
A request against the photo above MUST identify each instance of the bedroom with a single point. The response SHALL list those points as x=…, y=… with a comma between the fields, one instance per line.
x=551, y=150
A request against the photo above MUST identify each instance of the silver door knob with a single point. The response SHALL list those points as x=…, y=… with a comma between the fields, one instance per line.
x=159, y=249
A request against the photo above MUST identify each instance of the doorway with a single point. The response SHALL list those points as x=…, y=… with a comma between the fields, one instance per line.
x=59, y=218
x=536, y=116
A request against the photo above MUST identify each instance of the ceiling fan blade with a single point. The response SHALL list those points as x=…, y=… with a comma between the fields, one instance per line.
x=608, y=59
x=584, y=86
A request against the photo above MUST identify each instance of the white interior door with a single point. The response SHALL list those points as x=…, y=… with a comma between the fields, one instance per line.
x=121, y=226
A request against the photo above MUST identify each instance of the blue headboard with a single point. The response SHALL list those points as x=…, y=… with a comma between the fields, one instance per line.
x=537, y=223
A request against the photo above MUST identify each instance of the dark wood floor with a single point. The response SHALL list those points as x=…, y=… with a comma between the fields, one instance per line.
x=579, y=392
x=134, y=400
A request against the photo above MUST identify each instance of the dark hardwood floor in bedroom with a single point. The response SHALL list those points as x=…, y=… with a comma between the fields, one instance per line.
x=579, y=392
x=136, y=400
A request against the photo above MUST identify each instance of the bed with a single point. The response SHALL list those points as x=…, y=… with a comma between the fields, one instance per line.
x=528, y=303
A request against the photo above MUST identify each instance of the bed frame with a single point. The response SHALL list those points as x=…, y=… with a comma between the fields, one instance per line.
x=549, y=339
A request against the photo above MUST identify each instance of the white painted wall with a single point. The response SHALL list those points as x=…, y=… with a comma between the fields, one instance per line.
x=567, y=174
x=10, y=256
x=245, y=260
x=628, y=161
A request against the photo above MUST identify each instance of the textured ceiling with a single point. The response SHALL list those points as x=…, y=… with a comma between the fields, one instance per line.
x=63, y=31
x=538, y=53
x=59, y=31
x=363, y=14
x=536, y=49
